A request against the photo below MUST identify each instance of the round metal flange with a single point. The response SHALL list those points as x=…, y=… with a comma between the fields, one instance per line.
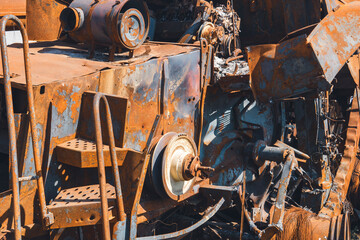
x=157, y=161
x=72, y=19
x=178, y=149
x=132, y=28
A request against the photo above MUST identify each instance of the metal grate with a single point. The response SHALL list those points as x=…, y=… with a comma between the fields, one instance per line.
x=82, y=144
x=81, y=195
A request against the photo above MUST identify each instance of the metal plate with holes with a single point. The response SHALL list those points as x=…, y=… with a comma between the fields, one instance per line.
x=82, y=153
x=80, y=206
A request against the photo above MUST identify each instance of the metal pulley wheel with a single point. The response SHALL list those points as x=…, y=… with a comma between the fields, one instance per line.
x=176, y=154
x=156, y=163
x=132, y=28
x=227, y=45
x=169, y=158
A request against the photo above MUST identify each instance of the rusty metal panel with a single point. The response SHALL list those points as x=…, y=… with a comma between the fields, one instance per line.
x=60, y=108
x=140, y=84
x=284, y=70
x=27, y=195
x=305, y=64
x=159, y=90
x=42, y=18
x=178, y=101
x=15, y=7
x=336, y=38
x=119, y=108
x=354, y=68
x=181, y=92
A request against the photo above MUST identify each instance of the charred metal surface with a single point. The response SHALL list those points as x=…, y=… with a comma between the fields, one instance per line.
x=265, y=142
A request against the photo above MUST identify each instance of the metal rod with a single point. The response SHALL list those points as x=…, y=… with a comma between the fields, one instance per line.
x=30, y=99
x=28, y=178
x=209, y=213
x=243, y=203
x=11, y=125
x=147, y=150
x=115, y=167
x=205, y=79
x=233, y=21
x=101, y=168
x=279, y=210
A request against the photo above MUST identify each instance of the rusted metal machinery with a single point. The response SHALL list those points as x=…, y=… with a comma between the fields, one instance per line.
x=207, y=138
x=119, y=24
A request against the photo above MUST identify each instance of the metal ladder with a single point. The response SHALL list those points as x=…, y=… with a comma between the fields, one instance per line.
x=101, y=169
x=13, y=161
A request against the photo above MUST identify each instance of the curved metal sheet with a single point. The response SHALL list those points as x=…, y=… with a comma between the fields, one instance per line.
x=305, y=63
x=336, y=38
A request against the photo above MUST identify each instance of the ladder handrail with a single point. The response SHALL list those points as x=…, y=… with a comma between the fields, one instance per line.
x=11, y=123
x=12, y=133
x=101, y=164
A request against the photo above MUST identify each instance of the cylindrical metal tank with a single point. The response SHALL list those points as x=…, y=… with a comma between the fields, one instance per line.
x=123, y=23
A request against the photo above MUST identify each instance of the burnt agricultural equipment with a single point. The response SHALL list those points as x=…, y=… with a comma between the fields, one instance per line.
x=247, y=127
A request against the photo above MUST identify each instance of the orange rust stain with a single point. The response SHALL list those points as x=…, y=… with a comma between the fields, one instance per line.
x=61, y=104
x=76, y=99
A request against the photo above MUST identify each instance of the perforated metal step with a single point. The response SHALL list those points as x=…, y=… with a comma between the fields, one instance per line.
x=80, y=206
x=82, y=153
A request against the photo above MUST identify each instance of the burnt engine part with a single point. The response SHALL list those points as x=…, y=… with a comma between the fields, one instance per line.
x=226, y=25
x=220, y=26
x=123, y=24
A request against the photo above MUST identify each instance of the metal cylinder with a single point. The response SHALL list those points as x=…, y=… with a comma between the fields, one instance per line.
x=123, y=23
x=261, y=153
x=72, y=19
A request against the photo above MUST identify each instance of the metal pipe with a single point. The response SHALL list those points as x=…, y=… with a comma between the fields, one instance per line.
x=101, y=165
x=115, y=166
x=72, y=19
x=206, y=58
x=47, y=218
x=11, y=121
x=101, y=169
x=279, y=210
x=242, y=197
x=296, y=151
x=141, y=180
